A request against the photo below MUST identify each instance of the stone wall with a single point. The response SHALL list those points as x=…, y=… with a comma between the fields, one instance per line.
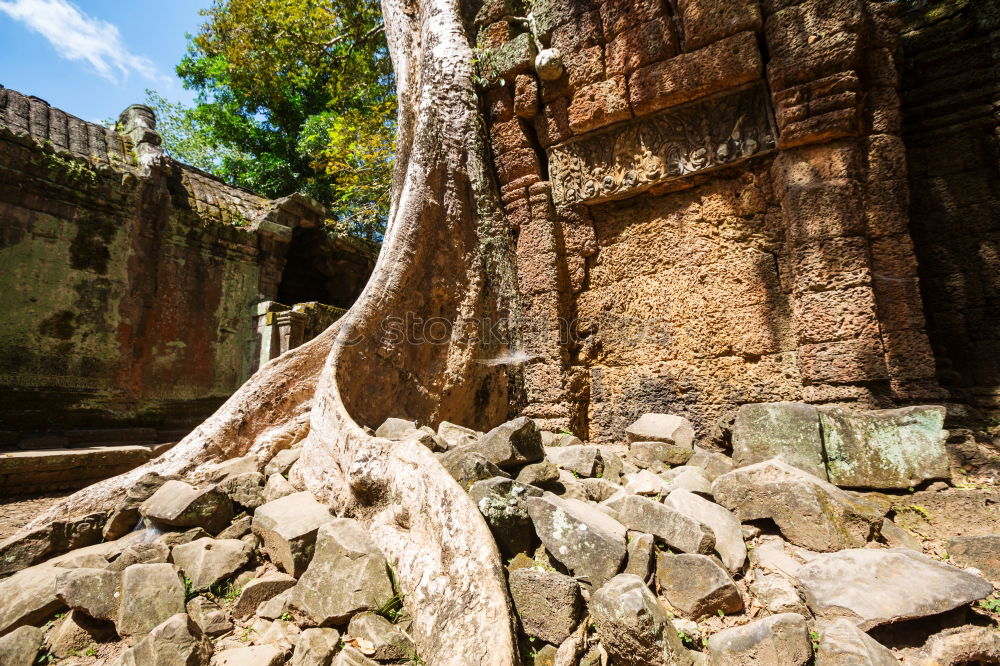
x=950, y=90
x=129, y=282
x=710, y=204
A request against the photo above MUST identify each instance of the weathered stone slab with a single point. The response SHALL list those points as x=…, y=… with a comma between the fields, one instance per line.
x=630, y=158
x=176, y=642
x=675, y=528
x=255, y=655
x=892, y=448
x=809, y=512
x=983, y=553
x=207, y=561
x=875, y=587
x=150, y=594
x=788, y=431
x=180, y=504
x=843, y=644
x=209, y=616
x=633, y=627
x=388, y=642
x=467, y=466
x=580, y=536
x=29, y=597
x=579, y=459
x=288, y=528
x=511, y=444
x=778, y=640
x=93, y=591
x=724, y=524
x=668, y=428
x=260, y=590
x=504, y=505
x=777, y=593
x=315, y=647
x=20, y=647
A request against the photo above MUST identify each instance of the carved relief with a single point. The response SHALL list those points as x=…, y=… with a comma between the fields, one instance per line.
x=696, y=137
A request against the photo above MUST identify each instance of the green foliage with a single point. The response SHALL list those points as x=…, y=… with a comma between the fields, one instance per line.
x=814, y=638
x=685, y=639
x=992, y=605
x=292, y=95
x=189, y=591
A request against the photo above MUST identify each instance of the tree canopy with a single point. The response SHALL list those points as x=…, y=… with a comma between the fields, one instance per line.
x=292, y=95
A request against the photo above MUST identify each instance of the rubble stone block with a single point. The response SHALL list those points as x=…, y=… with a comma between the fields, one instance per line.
x=599, y=105
x=180, y=504
x=696, y=585
x=788, y=431
x=781, y=640
x=676, y=529
x=548, y=603
x=288, y=528
x=150, y=595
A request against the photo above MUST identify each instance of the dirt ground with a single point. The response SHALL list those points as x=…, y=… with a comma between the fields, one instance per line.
x=15, y=512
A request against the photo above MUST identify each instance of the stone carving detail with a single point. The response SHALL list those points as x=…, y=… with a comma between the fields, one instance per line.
x=696, y=137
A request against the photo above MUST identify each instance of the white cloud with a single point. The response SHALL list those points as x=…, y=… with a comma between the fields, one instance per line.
x=77, y=36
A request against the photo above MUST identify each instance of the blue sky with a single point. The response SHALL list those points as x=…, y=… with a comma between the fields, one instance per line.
x=93, y=58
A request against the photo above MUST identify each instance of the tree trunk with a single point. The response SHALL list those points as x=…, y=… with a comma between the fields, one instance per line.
x=446, y=261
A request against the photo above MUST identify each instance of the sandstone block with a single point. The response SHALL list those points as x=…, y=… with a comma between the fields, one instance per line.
x=244, y=489
x=150, y=595
x=347, y=575
x=209, y=616
x=788, y=431
x=21, y=646
x=981, y=552
x=542, y=474
x=696, y=585
x=580, y=536
x=504, y=505
x=282, y=461
x=709, y=21
x=468, y=466
x=93, y=591
x=388, y=642
x=599, y=105
x=876, y=587
x=715, y=464
x=673, y=527
x=548, y=603
x=724, y=64
x=175, y=642
x=809, y=512
x=255, y=655
x=725, y=526
x=512, y=444
x=277, y=487
x=457, y=435
x=633, y=627
x=29, y=597
x=640, y=549
x=76, y=632
x=259, y=590
x=315, y=647
x=288, y=528
x=781, y=640
x=646, y=483
x=843, y=644
x=667, y=428
x=894, y=448
x=207, y=561
x=585, y=461
x=180, y=504
x=656, y=455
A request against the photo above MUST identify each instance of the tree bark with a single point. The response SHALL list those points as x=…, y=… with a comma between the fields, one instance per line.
x=446, y=259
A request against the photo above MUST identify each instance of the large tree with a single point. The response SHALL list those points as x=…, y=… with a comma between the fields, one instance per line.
x=296, y=95
x=446, y=254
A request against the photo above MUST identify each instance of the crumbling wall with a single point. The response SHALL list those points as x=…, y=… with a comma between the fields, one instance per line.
x=950, y=84
x=128, y=285
x=711, y=201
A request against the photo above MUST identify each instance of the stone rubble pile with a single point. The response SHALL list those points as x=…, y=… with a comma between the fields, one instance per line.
x=653, y=551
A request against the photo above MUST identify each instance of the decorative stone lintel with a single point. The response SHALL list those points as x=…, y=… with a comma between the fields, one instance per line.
x=632, y=157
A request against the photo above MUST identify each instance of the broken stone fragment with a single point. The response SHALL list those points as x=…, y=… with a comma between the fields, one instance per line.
x=259, y=590
x=588, y=542
x=875, y=587
x=777, y=594
x=715, y=464
x=897, y=537
x=93, y=591
x=662, y=428
x=787, y=431
x=581, y=460
x=778, y=640
x=175, y=642
x=640, y=555
x=511, y=444
x=387, y=641
x=29, y=597
x=959, y=646
x=232, y=467
x=207, y=561
x=981, y=552
x=456, y=435
x=21, y=646
x=395, y=429
x=696, y=585
x=809, y=512
x=504, y=505
x=180, y=504
x=239, y=528
x=150, y=594
x=315, y=647
x=75, y=632
x=633, y=627
x=347, y=575
x=141, y=553
x=687, y=477
x=350, y=656
x=288, y=528
x=599, y=490
x=171, y=539
x=277, y=487
x=21, y=552
x=467, y=466
x=676, y=529
x=255, y=655
x=120, y=522
x=244, y=489
x=548, y=603
x=646, y=483
x=657, y=455
x=282, y=461
x=843, y=644
x=209, y=617
x=724, y=524
x=892, y=448
x=542, y=475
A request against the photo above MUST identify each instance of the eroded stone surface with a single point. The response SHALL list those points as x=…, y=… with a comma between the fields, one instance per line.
x=504, y=505
x=288, y=528
x=788, y=431
x=180, y=504
x=724, y=524
x=150, y=594
x=677, y=529
x=781, y=640
x=843, y=644
x=547, y=602
x=696, y=585
x=206, y=561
